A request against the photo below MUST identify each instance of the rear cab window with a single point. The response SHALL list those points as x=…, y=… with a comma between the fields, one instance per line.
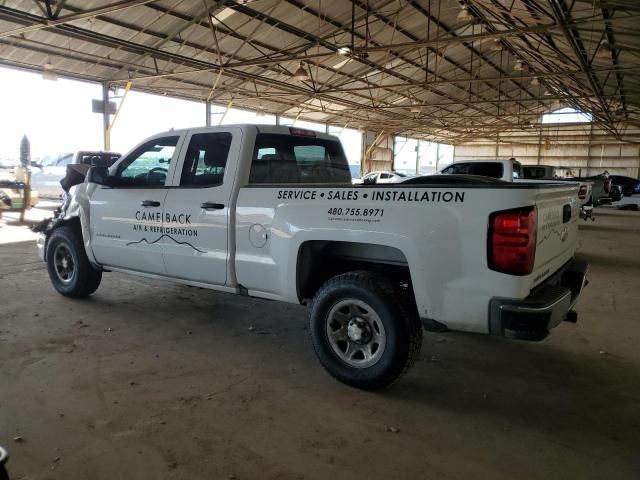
x=292, y=159
x=534, y=173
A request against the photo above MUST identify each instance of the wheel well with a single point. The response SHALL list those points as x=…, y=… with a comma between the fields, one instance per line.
x=319, y=260
x=73, y=222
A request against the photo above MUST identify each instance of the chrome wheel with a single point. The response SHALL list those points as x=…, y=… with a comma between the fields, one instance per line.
x=356, y=333
x=63, y=263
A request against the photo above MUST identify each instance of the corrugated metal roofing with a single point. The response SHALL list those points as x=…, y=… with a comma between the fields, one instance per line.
x=435, y=69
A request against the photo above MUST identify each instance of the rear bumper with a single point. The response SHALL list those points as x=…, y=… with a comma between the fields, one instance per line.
x=548, y=305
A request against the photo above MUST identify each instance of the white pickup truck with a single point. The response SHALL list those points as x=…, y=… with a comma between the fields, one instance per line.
x=271, y=212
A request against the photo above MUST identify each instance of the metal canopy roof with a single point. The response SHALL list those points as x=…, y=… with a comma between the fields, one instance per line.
x=424, y=68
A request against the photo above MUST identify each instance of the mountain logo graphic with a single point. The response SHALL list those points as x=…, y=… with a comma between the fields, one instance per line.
x=160, y=238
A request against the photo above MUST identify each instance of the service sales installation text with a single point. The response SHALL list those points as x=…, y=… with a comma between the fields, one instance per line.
x=374, y=195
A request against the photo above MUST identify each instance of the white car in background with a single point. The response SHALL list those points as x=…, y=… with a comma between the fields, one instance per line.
x=382, y=177
x=47, y=173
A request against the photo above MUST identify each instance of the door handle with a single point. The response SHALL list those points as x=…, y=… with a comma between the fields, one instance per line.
x=149, y=203
x=212, y=206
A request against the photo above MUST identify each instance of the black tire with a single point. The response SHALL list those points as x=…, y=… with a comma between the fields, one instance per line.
x=402, y=329
x=80, y=279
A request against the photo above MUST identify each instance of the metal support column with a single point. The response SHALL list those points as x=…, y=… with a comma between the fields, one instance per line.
x=105, y=116
x=417, y=157
x=277, y=119
x=393, y=151
x=207, y=107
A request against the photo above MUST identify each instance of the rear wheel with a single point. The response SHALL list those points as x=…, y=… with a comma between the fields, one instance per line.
x=364, y=330
x=69, y=269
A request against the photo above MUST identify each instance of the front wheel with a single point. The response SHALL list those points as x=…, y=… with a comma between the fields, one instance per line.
x=363, y=330
x=69, y=269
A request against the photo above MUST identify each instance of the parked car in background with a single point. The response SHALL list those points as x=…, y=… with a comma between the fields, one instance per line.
x=615, y=193
x=600, y=189
x=47, y=173
x=506, y=170
x=549, y=172
x=629, y=185
x=599, y=185
x=540, y=172
x=382, y=177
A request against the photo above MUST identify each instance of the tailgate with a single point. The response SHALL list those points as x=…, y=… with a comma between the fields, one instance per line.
x=558, y=214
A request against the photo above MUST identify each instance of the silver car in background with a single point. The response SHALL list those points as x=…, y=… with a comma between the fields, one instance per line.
x=47, y=173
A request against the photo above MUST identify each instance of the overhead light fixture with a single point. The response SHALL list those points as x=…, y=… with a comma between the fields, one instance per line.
x=260, y=111
x=535, y=82
x=49, y=75
x=301, y=73
x=547, y=92
x=518, y=67
x=604, y=50
x=48, y=72
x=344, y=51
x=465, y=15
x=415, y=108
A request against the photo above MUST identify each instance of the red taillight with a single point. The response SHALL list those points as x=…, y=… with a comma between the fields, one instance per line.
x=582, y=193
x=607, y=185
x=512, y=241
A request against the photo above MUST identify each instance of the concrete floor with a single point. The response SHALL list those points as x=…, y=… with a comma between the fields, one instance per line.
x=148, y=380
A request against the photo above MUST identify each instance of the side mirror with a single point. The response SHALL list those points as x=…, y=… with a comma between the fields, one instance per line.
x=99, y=175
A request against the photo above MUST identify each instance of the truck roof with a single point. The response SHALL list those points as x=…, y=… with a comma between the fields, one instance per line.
x=273, y=129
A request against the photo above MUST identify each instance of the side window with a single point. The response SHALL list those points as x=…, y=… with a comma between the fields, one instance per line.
x=458, y=169
x=298, y=159
x=206, y=159
x=265, y=151
x=533, y=172
x=517, y=170
x=486, y=169
x=385, y=176
x=148, y=165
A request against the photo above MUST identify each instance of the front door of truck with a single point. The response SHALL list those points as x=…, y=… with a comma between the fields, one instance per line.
x=127, y=219
x=197, y=207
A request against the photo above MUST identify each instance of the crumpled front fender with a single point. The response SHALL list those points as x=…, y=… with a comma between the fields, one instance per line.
x=75, y=206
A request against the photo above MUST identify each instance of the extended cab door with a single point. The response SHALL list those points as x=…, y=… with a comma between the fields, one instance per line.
x=197, y=207
x=126, y=220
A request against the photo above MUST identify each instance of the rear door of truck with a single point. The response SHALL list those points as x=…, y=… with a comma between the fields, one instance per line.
x=195, y=244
